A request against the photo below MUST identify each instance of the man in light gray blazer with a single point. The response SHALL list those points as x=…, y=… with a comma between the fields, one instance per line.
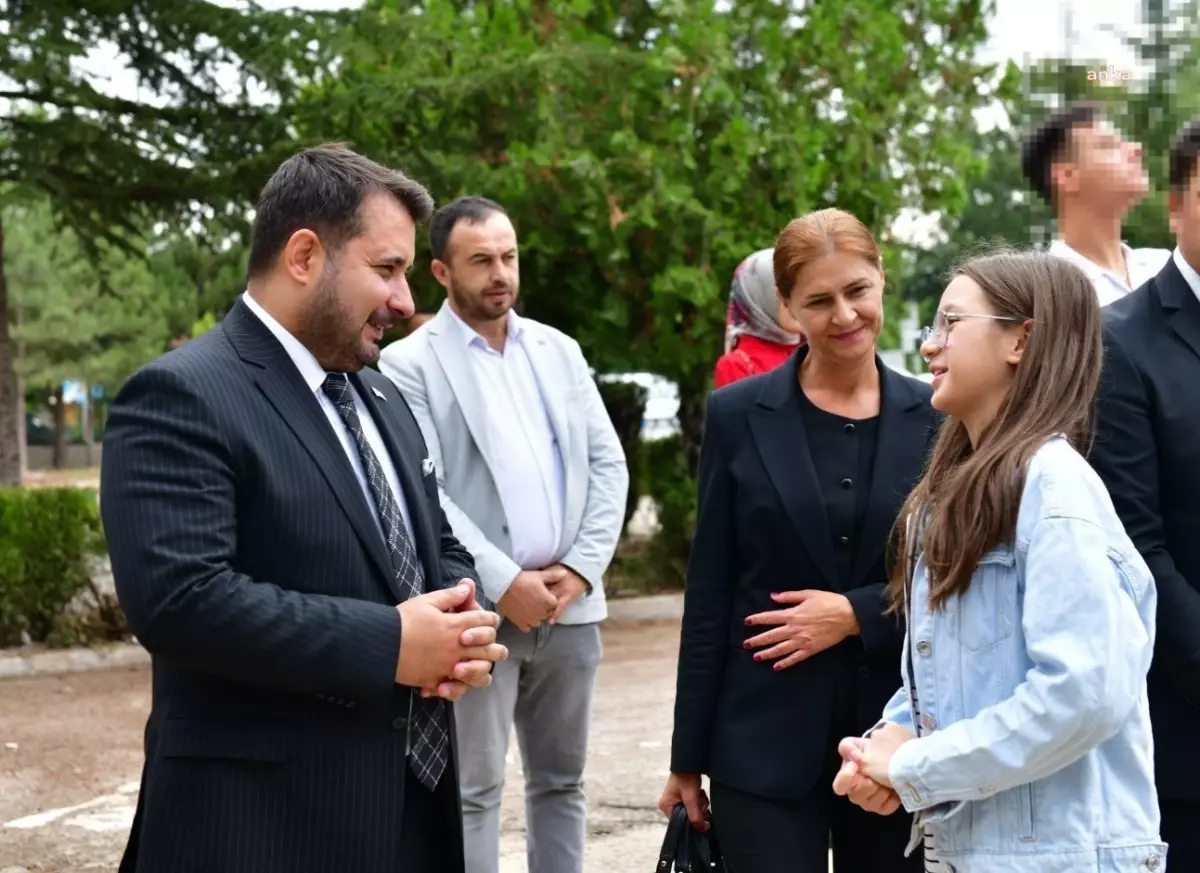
x=533, y=481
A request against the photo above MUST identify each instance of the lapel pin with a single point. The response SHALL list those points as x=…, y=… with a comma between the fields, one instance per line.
x=378, y=394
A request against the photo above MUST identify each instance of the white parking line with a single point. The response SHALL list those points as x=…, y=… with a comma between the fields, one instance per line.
x=105, y=821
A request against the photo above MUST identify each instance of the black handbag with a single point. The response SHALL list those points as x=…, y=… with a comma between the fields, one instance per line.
x=687, y=850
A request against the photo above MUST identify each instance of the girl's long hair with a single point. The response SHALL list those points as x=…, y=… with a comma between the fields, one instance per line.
x=967, y=502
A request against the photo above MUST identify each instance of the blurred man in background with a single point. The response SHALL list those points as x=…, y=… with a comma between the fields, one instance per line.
x=1092, y=176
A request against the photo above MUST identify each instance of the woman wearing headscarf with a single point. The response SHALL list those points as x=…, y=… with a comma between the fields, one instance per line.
x=760, y=333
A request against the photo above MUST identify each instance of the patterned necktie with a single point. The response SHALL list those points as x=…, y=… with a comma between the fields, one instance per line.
x=430, y=725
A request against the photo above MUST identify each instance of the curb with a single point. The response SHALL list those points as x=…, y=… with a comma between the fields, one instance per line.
x=621, y=611
x=58, y=661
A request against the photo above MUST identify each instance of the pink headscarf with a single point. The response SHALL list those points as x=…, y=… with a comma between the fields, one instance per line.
x=753, y=303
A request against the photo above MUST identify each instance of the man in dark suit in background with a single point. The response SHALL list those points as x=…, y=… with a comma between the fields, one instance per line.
x=1147, y=450
x=279, y=548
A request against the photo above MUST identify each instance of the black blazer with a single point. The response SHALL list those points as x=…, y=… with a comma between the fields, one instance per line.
x=761, y=527
x=249, y=565
x=1147, y=450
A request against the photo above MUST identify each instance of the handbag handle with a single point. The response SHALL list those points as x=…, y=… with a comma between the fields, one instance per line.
x=687, y=850
x=677, y=827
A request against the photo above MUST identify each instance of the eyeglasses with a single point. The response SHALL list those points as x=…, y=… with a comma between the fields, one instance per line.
x=943, y=321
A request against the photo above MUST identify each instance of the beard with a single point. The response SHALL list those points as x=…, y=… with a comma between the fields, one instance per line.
x=333, y=334
x=476, y=307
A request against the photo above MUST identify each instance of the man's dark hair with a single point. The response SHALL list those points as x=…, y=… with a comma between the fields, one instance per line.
x=323, y=189
x=472, y=210
x=1048, y=143
x=1185, y=156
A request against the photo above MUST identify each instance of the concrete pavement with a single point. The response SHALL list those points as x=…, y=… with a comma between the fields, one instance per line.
x=70, y=758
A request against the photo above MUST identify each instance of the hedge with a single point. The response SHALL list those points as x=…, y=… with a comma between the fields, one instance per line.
x=625, y=403
x=50, y=539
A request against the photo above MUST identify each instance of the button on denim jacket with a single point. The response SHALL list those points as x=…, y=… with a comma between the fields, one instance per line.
x=1031, y=690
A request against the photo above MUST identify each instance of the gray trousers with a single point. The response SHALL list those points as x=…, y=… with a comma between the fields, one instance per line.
x=545, y=689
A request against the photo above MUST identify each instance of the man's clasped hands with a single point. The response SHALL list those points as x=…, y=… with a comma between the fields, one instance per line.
x=863, y=776
x=447, y=642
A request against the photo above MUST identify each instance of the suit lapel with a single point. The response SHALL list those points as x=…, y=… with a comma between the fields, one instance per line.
x=901, y=440
x=451, y=352
x=1187, y=326
x=405, y=458
x=1180, y=305
x=286, y=391
x=778, y=429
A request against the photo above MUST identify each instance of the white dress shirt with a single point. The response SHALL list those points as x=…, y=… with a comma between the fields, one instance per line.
x=528, y=462
x=314, y=376
x=1142, y=264
x=1190, y=275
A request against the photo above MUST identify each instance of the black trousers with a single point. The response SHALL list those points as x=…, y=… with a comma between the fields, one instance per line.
x=429, y=829
x=1181, y=832
x=766, y=835
x=760, y=835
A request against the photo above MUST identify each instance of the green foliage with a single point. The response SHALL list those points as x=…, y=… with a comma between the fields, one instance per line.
x=195, y=140
x=202, y=325
x=208, y=268
x=662, y=565
x=625, y=403
x=68, y=329
x=645, y=148
x=199, y=138
x=48, y=538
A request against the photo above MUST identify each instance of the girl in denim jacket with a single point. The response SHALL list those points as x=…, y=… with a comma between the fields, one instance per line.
x=1020, y=738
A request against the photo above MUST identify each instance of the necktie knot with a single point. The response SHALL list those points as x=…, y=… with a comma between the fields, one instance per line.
x=335, y=386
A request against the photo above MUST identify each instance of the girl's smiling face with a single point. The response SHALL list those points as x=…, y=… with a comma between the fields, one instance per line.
x=973, y=355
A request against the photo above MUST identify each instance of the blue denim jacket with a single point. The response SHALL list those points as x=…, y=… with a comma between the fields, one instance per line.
x=1036, y=753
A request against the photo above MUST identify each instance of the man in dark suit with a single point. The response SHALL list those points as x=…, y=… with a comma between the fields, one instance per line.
x=1148, y=452
x=278, y=547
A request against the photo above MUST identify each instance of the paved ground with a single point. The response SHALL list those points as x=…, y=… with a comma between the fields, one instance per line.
x=70, y=756
x=86, y=477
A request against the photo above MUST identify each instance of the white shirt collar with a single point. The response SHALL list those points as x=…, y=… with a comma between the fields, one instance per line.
x=1142, y=265
x=470, y=336
x=1090, y=268
x=1189, y=272
x=312, y=372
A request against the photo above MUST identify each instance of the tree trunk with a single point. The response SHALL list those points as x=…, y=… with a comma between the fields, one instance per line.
x=10, y=405
x=60, y=429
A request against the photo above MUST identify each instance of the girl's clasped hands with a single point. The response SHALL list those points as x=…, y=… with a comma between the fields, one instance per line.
x=863, y=776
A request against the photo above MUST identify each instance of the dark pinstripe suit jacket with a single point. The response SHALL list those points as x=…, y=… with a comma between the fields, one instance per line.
x=249, y=565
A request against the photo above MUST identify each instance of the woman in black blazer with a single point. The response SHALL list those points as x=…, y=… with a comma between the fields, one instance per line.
x=785, y=646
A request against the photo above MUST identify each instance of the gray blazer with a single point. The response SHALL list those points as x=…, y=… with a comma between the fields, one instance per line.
x=431, y=370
